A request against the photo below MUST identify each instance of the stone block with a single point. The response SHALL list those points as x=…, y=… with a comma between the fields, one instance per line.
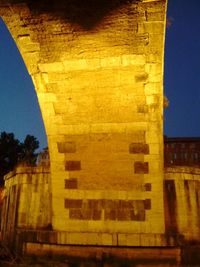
x=66, y=147
x=151, y=26
x=137, y=215
x=95, y=204
x=109, y=204
x=154, y=149
x=142, y=109
x=73, y=203
x=72, y=65
x=155, y=166
x=107, y=239
x=31, y=59
x=72, y=165
x=147, y=204
x=77, y=238
x=138, y=148
x=126, y=204
x=87, y=214
x=129, y=239
x=132, y=60
x=96, y=215
x=155, y=16
x=152, y=135
x=75, y=214
x=110, y=215
x=152, y=88
x=51, y=67
x=142, y=77
x=109, y=62
x=24, y=39
x=61, y=238
x=146, y=240
x=141, y=167
x=71, y=183
x=47, y=97
x=147, y=187
x=123, y=214
x=31, y=47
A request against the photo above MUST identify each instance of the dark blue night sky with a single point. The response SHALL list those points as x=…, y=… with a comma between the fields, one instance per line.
x=19, y=110
x=182, y=69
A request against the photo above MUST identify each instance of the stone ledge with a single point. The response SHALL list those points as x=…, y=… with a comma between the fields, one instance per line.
x=183, y=169
x=156, y=254
x=95, y=238
x=26, y=170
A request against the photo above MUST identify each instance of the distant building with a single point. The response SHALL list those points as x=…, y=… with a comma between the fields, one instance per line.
x=182, y=151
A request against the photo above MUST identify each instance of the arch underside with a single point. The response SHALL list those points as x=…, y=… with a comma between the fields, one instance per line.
x=98, y=74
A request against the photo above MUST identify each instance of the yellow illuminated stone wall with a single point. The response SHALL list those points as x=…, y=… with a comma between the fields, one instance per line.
x=26, y=213
x=97, y=68
x=182, y=201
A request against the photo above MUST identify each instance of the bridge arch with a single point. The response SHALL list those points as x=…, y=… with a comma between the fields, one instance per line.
x=99, y=83
x=19, y=106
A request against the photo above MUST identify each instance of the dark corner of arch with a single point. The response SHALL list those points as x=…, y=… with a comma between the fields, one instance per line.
x=86, y=13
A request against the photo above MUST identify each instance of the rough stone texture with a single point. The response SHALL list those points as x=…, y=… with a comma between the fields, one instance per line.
x=97, y=67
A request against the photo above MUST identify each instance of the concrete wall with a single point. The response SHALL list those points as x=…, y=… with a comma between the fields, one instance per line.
x=26, y=201
x=182, y=202
x=97, y=67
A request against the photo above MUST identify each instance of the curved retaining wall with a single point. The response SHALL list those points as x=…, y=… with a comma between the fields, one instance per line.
x=182, y=202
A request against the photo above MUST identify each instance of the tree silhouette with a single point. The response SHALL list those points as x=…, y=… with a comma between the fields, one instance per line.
x=12, y=152
x=29, y=146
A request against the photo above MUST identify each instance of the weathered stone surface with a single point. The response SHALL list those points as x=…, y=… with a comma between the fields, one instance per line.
x=97, y=67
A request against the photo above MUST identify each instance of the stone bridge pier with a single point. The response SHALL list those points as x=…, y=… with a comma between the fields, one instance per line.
x=97, y=67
